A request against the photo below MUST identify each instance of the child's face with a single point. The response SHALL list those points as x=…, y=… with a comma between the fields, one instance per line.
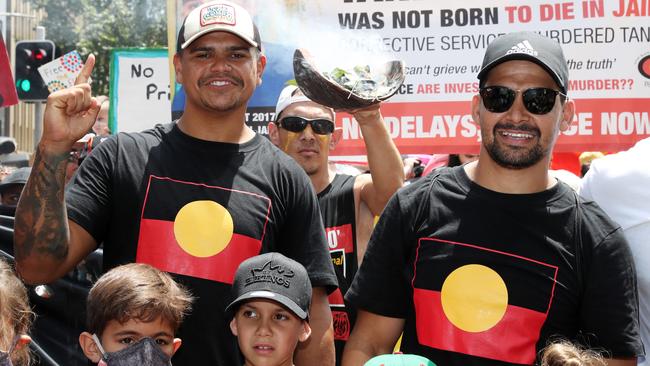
x=268, y=333
x=117, y=336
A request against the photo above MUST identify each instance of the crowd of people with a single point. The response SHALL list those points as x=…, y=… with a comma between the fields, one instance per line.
x=222, y=247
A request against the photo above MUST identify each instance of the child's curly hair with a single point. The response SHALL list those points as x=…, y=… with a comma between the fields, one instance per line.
x=16, y=315
x=565, y=353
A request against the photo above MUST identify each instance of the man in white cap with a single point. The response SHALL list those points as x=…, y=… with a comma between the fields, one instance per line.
x=194, y=197
x=486, y=263
x=306, y=131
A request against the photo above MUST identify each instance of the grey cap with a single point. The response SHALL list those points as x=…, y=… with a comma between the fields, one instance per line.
x=19, y=176
x=530, y=46
x=275, y=277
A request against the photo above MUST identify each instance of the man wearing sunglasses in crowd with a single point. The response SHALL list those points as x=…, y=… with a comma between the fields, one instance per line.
x=306, y=131
x=486, y=263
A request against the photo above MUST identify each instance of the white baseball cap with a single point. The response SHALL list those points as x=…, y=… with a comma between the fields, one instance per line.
x=291, y=94
x=218, y=15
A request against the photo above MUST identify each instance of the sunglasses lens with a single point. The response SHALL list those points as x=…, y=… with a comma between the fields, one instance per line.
x=297, y=124
x=497, y=99
x=322, y=126
x=539, y=100
x=293, y=124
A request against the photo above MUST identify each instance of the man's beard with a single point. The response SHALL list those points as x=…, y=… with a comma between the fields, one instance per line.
x=514, y=157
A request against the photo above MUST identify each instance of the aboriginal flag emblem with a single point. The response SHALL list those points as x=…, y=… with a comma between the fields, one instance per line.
x=198, y=230
x=481, y=302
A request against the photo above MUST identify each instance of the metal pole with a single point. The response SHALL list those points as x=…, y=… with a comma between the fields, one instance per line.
x=38, y=106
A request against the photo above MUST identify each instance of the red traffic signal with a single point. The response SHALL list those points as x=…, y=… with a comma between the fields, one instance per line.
x=30, y=55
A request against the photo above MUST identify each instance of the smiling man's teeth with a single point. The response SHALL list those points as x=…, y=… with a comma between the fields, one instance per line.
x=517, y=135
x=219, y=83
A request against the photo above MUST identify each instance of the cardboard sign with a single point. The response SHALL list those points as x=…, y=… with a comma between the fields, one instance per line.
x=139, y=89
x=62, y=72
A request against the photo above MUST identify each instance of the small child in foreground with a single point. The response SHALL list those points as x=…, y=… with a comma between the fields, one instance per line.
x=272, y=294
x=133, y=313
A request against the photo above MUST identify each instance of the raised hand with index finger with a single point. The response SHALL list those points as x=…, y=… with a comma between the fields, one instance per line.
x=70, y=113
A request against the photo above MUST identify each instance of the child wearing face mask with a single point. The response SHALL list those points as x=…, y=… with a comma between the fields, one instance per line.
x=15, y=318
x=133, y=313
x=272, y=294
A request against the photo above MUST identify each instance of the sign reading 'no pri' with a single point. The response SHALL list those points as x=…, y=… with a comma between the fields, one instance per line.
x=139, y=89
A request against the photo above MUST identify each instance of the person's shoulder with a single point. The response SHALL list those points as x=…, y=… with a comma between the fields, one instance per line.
x=595, y=220
x=440, y=176
x=142, y=140
x=275, y=163
x=156, y=132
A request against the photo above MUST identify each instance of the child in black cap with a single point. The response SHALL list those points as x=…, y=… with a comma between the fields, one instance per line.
x=270, y=309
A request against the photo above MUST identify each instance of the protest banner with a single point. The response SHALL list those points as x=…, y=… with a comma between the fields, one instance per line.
x=442, y=45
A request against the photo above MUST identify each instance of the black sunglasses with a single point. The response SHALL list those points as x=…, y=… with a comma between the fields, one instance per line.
x=498, y=99
x=298, y=124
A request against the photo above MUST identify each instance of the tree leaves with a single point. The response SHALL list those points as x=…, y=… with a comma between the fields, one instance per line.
x=99, y=26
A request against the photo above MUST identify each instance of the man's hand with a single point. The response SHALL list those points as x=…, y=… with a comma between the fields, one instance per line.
x=70, y=113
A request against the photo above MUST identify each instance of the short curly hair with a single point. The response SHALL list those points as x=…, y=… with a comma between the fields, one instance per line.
x=136, y=291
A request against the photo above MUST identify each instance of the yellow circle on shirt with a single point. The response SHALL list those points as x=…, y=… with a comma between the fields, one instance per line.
x=203, y=228
x=474, y=297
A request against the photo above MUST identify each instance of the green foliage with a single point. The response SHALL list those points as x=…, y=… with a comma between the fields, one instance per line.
x=99, y=26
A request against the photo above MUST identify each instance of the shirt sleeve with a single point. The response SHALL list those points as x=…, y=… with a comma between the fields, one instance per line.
x=610, y=313
x=303, y=235
x=381, y=283
x=88, y=195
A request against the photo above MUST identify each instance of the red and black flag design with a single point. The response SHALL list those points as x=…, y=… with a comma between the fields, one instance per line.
x=199, y=230
x=341, y=245
x=479, y=301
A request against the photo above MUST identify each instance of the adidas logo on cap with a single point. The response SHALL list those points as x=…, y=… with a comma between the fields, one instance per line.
x=522, y=47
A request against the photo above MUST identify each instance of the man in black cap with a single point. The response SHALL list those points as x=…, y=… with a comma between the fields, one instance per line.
x=483, y=264
x=194, y=197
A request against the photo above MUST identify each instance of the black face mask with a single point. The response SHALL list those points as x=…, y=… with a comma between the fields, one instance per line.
x=144, y=352
x=5, y=360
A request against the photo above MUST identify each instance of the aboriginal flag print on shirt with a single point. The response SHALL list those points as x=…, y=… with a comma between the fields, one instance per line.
x=480, y=302
x=196, y=230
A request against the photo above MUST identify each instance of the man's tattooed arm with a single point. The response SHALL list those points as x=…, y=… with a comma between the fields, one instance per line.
x=41, y=229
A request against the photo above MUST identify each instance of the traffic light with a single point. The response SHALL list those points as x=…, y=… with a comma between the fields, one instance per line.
x=30, y=55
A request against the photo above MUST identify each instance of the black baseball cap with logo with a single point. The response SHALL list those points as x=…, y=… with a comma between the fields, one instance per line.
x=529, y=46
x=275, y=277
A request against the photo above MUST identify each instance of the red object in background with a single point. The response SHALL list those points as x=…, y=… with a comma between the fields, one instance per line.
x=567, y=161
x=8, y=96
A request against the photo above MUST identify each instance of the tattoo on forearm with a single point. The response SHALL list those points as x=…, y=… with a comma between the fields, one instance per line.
x=41, y=226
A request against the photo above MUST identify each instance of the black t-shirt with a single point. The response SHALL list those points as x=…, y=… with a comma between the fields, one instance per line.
x=337, y=207
x=487, y=278
x=196, y=209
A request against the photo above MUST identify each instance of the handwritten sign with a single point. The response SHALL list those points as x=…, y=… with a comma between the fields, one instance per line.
x=139, y=89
